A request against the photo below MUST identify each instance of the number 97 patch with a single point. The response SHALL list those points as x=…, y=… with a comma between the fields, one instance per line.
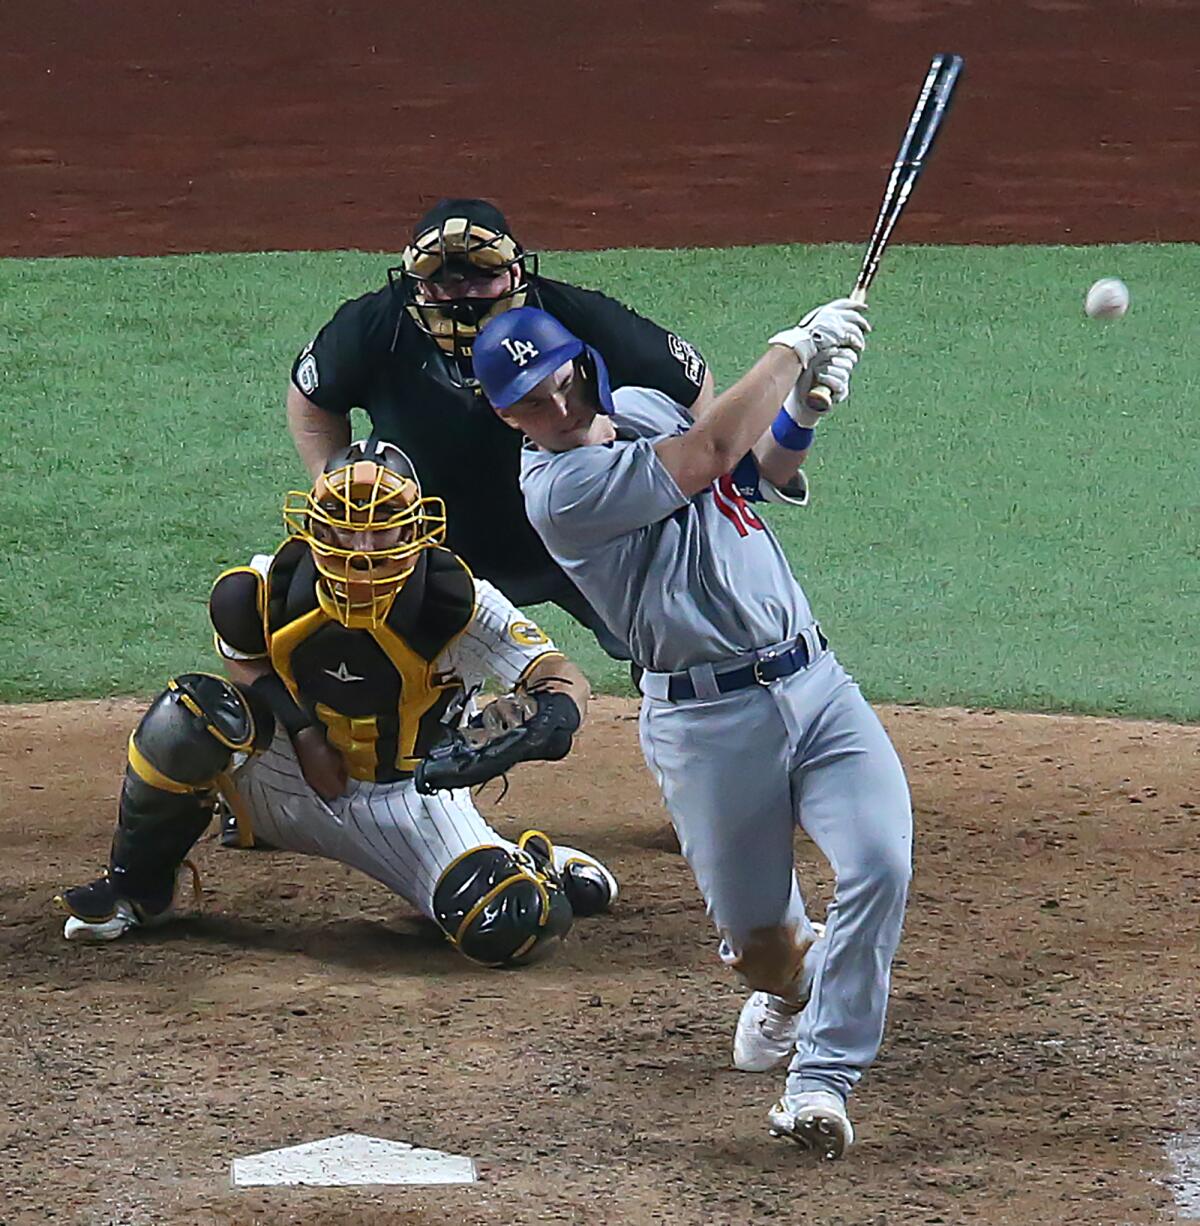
x=526, y=634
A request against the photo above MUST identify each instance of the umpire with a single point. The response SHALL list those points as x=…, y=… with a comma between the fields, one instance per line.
x=403, y=353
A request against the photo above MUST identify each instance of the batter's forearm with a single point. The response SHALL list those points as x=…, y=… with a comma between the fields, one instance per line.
x=316, y=432
x=733, y=425
x=777, y=464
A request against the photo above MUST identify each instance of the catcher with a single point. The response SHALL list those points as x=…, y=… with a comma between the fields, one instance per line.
x=352, y=654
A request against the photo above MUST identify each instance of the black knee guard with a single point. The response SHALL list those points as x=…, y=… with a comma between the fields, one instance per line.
x=501, y=909
x=181, y=746
x=193, y=729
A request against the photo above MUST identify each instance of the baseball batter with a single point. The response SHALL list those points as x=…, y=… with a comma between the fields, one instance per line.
x=749, y=723
x=350, y=652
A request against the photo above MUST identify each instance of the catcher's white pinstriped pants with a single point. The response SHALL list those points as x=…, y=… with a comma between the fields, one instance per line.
x=387, y=830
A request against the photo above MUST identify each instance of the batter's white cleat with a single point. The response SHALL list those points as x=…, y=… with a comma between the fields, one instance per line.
x=766, y=1033
x=816, y=1120
x=767, y=1029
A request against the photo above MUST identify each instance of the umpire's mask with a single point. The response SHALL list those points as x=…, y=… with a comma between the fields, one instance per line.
x=461, y=269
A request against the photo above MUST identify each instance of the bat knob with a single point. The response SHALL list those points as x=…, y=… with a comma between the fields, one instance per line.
x=819, y=399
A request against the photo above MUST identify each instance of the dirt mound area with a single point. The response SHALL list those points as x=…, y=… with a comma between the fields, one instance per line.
x=1041, y=1036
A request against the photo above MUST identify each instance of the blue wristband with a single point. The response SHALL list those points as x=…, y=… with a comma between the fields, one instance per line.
x=787, y=433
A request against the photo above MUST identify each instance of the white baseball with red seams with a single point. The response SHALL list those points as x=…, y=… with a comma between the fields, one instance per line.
x=1107, y=299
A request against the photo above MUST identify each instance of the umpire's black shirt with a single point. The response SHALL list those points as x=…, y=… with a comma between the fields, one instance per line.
x=372, y=355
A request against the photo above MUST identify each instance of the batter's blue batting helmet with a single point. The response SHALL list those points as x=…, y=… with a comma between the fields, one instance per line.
x=517, y=350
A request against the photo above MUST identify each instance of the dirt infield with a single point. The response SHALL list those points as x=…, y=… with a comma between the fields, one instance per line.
x=143, y=128
x=1041, y=1031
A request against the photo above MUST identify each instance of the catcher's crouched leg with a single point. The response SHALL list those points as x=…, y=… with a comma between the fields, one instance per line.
x=500, y=908
x=589, y=886
x=177, y=754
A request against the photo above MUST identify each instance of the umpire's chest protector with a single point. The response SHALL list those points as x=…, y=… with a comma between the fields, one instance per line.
x=374, y=690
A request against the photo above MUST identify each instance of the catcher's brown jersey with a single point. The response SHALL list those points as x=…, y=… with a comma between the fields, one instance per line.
x=381, y=694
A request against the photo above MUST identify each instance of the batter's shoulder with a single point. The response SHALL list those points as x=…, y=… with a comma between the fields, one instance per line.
x=648, y=413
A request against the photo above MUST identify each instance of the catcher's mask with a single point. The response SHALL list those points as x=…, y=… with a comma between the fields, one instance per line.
x=517, y=351
x=462, y=268
x=366, y=523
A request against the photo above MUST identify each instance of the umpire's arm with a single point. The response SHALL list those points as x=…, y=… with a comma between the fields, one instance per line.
x=316, y=432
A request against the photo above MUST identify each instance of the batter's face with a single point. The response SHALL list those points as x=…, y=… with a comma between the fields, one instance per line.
x=560, y=414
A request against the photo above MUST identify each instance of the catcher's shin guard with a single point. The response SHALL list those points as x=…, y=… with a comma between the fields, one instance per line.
x=501, y=909
x=178, y=751
x=590, y=887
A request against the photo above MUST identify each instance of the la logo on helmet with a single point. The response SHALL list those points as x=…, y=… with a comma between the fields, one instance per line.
x=520, y=351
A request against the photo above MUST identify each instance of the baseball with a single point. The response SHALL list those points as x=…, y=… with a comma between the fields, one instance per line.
x=1107, y=299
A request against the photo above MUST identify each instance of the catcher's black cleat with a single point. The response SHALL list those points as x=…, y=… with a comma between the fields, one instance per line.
x=99, y=913
x=589, y=886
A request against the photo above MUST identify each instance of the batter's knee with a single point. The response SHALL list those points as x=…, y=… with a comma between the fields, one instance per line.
x=501, y=910
x=884, y=871
x=772, y=960
x=190, y=733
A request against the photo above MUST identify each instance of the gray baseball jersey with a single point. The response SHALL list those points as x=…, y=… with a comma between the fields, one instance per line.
x=692, y=582
x=701, y=579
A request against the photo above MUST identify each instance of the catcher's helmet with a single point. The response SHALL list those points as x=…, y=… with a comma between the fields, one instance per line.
x=462, y=268
x=366, y=522
x=515, y=352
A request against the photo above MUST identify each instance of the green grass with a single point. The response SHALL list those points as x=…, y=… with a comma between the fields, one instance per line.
x=1005, y=513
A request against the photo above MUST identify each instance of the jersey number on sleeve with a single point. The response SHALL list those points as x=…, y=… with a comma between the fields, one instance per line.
x=734, y=507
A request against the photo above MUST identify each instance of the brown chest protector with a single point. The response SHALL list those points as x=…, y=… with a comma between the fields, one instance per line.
x=374, y=690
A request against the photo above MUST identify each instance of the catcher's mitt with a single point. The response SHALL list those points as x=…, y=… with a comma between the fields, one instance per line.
x=524, y=726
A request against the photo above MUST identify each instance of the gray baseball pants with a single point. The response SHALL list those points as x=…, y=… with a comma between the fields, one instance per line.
x=737, y=772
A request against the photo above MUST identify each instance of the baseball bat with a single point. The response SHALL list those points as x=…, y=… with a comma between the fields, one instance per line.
x=933, y=102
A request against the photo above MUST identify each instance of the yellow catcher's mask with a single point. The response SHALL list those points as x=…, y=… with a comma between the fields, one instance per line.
x=366, y=523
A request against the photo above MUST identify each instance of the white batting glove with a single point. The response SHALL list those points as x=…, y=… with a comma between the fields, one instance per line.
x=836, y=325
x=831, y=370
x=834, y=370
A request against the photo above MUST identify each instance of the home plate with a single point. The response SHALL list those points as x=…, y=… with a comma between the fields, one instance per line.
x=348, y=1161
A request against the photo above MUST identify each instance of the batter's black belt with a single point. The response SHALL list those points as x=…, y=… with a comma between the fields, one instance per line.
x=771, y=666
